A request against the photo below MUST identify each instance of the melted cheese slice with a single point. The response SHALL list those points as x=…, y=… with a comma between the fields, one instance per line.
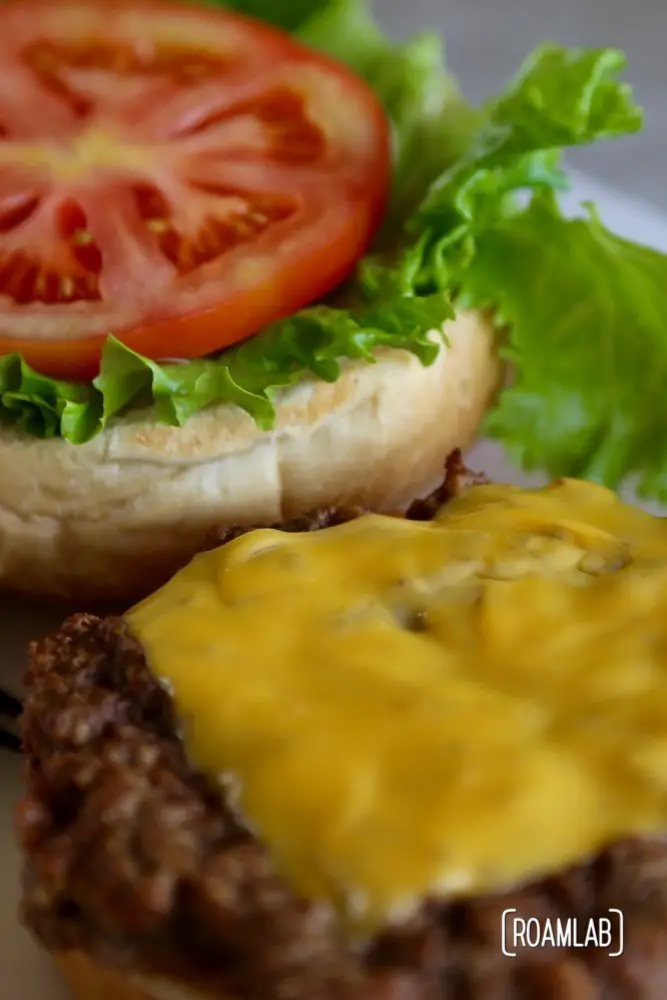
x=429, y=708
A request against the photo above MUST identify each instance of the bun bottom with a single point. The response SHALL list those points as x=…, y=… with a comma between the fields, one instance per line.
x=89, y=980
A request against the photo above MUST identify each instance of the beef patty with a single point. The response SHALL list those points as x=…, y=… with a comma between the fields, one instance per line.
x=133, y=857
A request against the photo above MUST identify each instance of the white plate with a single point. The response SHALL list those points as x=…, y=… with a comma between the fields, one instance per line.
x=26, y=973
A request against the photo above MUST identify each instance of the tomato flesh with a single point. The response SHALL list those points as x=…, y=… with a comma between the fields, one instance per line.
x=176, y=176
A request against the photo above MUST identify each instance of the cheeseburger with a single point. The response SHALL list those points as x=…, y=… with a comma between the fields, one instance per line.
x=323, y=764
x=254, y=259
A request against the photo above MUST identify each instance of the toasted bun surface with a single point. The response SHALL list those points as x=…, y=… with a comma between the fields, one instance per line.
x=88, y=980
x=114, y=518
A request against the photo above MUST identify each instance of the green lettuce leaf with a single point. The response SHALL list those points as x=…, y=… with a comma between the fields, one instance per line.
x=313, y=340
x=43, y=407
x=584, y=311
x=288, y=15
x=587, y=320
x=561, y=98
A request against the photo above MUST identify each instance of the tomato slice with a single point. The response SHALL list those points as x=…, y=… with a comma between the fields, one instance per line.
x=177, y=176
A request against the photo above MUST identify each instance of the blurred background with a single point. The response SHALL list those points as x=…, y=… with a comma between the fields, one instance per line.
x=486, y=40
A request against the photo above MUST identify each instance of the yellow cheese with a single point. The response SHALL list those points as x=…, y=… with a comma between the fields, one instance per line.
x=447, y=707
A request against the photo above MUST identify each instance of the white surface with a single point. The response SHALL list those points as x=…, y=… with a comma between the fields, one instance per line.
x=25, y=973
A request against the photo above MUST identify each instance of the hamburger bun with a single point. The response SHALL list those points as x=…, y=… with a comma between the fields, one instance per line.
x=89, y=980
x=112, y=519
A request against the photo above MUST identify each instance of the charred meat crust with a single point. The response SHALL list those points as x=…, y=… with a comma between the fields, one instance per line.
x=133, y=857
x=457, y=477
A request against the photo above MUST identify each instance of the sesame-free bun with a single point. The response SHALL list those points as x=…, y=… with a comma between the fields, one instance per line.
x=113, y=518
x=88, y=980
